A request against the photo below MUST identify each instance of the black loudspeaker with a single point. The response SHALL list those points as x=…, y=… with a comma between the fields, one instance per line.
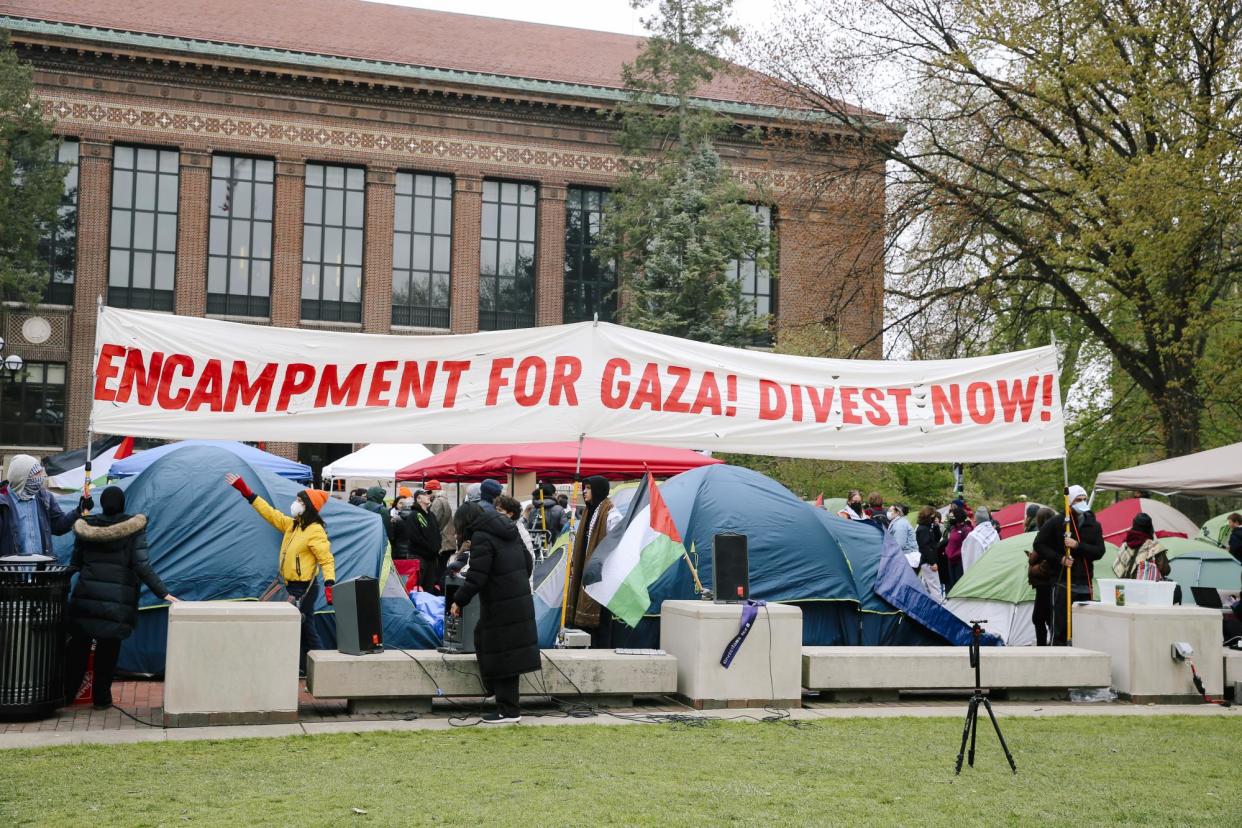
x=730, y=568
x=358, y=626
x=458, y=632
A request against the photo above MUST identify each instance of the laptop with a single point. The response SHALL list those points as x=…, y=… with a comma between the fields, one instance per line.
x=1207, y=597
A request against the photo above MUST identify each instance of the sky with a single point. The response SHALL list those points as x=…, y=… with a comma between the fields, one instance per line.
x=601, y=15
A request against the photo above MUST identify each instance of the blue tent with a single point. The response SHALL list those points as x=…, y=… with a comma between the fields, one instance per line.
x=208, y=543
x=828, y=566
x=255, y=458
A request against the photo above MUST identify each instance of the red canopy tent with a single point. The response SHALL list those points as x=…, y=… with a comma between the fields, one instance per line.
x=555, y=462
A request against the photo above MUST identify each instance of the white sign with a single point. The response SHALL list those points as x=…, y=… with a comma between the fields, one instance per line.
x=178, y=377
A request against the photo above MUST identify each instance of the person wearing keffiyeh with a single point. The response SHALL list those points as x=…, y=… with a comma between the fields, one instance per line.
x=29, y=514
x=1141, y=556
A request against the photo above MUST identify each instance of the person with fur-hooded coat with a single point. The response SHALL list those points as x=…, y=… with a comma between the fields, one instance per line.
x=506, y=638
x=110, y=559
x=600, y=518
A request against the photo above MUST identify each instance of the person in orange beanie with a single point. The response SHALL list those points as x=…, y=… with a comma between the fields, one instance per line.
x=303, y=550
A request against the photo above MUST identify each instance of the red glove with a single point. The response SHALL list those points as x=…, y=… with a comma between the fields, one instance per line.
x=327, y=593
x=241, y=486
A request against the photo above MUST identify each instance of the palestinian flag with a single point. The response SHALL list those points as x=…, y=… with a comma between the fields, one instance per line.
x=634, y=556
x=66, y=471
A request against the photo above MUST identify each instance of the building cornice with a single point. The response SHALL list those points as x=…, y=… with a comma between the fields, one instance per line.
x=202, y=51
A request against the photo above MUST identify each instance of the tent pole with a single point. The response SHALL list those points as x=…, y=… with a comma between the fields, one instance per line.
x=90, y=421
x=1069, y=594
x=573, y=536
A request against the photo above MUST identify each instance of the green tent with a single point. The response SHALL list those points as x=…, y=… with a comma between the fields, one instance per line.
x=1176, y=547
x=995, y=588
x=1216, y=530
x=1000, y=575
x=1211, y=568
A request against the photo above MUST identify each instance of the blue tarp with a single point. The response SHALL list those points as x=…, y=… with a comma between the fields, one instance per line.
x=208, y=543
x=255, y=458
x=828, y=566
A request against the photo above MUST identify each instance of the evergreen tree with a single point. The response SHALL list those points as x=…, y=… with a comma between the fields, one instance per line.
x=31, y=181
x=678, y=220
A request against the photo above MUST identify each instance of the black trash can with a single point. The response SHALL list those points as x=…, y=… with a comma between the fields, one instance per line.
x=33, y=597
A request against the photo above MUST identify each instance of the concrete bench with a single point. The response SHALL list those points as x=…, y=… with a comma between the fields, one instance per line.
x=1233, y=673
x=407, y=680
x=857, y=673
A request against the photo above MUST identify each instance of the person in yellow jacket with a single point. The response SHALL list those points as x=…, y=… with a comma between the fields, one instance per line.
x=304, y=548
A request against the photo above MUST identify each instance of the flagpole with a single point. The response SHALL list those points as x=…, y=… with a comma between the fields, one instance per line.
x=90, y=418
x=573, y=538
x=1069, y=595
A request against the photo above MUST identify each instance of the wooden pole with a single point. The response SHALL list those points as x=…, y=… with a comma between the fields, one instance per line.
x=573, y=537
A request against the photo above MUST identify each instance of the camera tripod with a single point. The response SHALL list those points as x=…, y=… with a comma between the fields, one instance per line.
x=972, y=711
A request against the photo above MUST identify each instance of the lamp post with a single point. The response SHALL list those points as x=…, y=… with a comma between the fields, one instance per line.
x=12, y=365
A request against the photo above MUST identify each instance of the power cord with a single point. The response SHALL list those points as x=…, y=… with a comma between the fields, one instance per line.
x=454, y=721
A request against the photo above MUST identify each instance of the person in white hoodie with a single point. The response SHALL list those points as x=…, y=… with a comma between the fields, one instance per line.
x=980, y=538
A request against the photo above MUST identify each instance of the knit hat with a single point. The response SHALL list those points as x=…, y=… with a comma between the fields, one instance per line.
x=112, y=499
x=1032, y=509
x=432, y=485
x=489, y=489
x=317, y=498
x=404, y=492
x=1076, y=492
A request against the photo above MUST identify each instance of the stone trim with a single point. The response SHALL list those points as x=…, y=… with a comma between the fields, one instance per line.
x=400, y=146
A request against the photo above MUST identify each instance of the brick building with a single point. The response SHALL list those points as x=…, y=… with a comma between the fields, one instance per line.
x=360, y=167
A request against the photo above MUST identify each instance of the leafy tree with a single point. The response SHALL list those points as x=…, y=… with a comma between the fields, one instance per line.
x=678, y=219
x=31, y=181
x=1069, y=167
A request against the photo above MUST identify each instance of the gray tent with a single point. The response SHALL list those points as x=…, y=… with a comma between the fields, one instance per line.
x=1217, y=472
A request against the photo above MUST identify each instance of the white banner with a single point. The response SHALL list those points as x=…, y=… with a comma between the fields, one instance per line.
x=179, y=377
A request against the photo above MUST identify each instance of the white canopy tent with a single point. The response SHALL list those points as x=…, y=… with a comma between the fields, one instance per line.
x=376, y=461
x=1214, y=472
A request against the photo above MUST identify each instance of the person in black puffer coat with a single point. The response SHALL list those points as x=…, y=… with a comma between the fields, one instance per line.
x=110, y=558
x=506, y=640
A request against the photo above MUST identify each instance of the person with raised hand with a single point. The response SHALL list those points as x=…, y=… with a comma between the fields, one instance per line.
x=304, y=550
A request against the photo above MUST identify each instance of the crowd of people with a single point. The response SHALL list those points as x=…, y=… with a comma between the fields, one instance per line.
x=492, y=542
x=942, y=545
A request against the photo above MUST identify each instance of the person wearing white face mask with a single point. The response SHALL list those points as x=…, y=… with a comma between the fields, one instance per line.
x=29, y=514
x=1078, y=552
x=303, y=550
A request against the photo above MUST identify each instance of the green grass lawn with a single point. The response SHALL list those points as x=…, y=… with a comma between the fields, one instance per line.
x=1081, y=771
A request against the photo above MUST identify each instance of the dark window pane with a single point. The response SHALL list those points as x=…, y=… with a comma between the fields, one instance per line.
x=246, y=239
x=144, y=220
x=756, y=283
x=32, y=406
x=424, y=207
x=168, y=193
x=145, y=190
x=507, y=288
x=590, y=288
x=57, y=245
